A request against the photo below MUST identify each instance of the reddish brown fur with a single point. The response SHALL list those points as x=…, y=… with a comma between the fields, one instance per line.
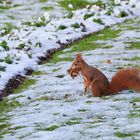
x=128, y=78
x=124, y=79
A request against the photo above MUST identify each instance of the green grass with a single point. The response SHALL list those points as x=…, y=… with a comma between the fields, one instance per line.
x=88, y=43
x=37, y=73
x=55, y=58
x=62, y=27
x=43, y=0
x=89, y=102
x=123, y=135
x=42, y=127
x=133, y=45
x=72, y=122
x=4, y=45
x=132, y=59
x=86, y=16
x=135, y=59
x=7, y=28
x=82, y=110
x=25, y=85
x=52, y=128
x=4, y=7
x=44, y=98
x=77, y=4
x=76, y=25
x=60, y=76
x=47, y=8
x=98, y=20
x=5, y=107
x=135, y=100
x=57, y=69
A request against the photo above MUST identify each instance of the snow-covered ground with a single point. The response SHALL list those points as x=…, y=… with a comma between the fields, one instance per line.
x=20, y=49
x=28, y=10
x=55, y=108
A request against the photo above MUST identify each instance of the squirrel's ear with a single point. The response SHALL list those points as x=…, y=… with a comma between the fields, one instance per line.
x=79, y=56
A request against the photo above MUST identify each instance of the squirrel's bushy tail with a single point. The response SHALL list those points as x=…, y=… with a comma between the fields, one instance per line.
x=125, y=79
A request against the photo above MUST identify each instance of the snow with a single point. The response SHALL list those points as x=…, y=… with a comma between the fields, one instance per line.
x=49, y=35
x=93, y=117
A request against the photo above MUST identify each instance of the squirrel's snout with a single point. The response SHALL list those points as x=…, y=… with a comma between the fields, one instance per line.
x=68, y=70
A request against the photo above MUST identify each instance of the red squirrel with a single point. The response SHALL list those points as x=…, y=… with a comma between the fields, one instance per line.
x=94, y=79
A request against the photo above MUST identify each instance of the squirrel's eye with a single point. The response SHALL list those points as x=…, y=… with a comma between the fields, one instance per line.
x=75, y=64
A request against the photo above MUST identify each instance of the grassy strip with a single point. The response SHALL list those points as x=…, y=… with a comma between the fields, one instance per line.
x=76, y=4
x=88, y=43
x=25, y=85
x=5, y=107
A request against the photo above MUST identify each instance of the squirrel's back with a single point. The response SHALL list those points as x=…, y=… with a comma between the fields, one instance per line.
x=128, y=78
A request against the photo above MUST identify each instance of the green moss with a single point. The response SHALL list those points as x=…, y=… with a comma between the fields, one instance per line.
x=77, y=4
x=25, y=85
x=123, y=135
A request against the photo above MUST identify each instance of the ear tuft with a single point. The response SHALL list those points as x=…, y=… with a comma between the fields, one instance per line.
x=79, y=56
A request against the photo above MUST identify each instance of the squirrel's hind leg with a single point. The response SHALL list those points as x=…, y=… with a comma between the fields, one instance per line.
x=96, y=92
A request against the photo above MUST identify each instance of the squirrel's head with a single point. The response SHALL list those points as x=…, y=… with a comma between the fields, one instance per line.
x=76, y=66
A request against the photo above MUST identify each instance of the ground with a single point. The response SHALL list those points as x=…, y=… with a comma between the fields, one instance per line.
x=51, y=105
